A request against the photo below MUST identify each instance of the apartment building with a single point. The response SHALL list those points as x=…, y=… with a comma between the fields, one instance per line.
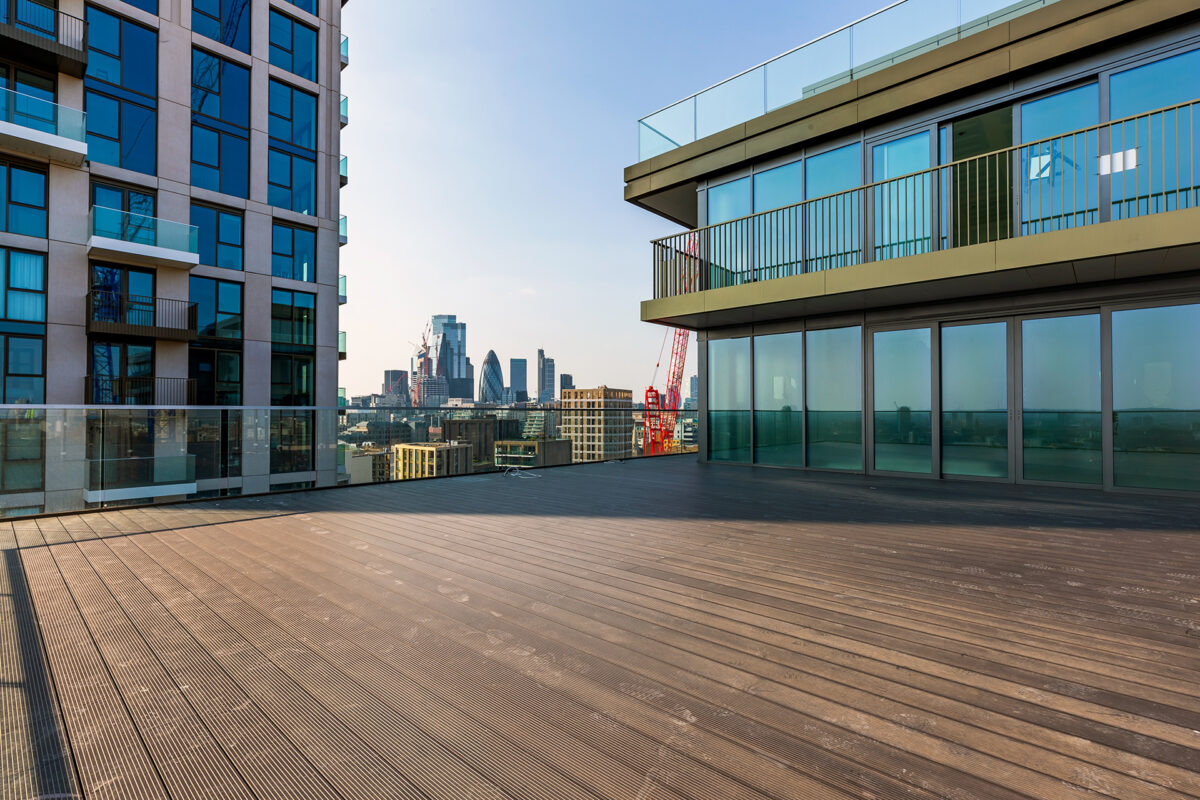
x=599, y=423
x=955, y=239
x=169, y=234
x=431, y=460
x=528, y=453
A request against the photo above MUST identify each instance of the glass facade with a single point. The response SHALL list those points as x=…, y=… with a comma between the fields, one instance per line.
x=121, y=92
x=833, y=394
x=832, y=234
x=23, y=200
x=220, y=235
x=1058, y=177
x=293, y=46
x=729, y=400
x=779, y=399
x=22, y=286
x=220, y=125
x=23, y=369
x=903, y=387
x=293, y=252
x=224, y=21
x=902, y=222
x=975, y=400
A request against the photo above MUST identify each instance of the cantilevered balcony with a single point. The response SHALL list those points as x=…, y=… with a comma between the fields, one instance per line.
x=112, y=313
x=345, y=51
x=138, y=391
x=342, y=237
x=139, y=239
x=344, y=111
x=1087, y=206
x=35, y=127
x=341, y=345
x=341, y=290
x=343, y=172
x=36, y=33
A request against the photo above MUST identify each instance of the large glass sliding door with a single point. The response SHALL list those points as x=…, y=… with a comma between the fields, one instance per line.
x=975, y=400
x=833, y=388
x=729, y=400
x=902, y=363
x=1060, y=399
x=779, y=399
x=901, y=206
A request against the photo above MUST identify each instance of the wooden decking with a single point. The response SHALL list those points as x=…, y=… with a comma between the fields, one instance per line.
x=654, y=629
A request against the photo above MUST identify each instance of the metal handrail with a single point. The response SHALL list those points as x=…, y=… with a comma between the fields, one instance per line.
x=139, y=390
x=846, y=224
x=59, y=26
x=141, y=311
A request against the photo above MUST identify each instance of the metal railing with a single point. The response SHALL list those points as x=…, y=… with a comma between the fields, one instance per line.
x=341, y=345
x=1131, y=167
x=135, y=315
x=341, y=290
x=343, y=171
x=342, y=237
x=127, y=226
x=889, y=36
x=42, y=115
x=139, y=391
x=345, y=50
x=344, y=111
x=45, y=21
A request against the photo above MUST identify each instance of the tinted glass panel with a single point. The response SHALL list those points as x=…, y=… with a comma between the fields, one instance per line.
x=833, y=387
x=1060, y=388
x=975, y=400
x=729, y=201
x=901, y=205
x=729, y=400
x=832, y=232
x=779, y=399
x=1059, y=187
x=779, y=187
x=903, y=407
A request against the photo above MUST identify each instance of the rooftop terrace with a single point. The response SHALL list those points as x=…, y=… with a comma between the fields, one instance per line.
x=721, y=632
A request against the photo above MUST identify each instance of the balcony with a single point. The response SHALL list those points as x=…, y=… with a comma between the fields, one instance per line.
x=139, y=239
x=341, y=290
x=836, y=58
x=1094, y=199
x=344, y=111
x=36, y=33
x=139, y=391
x=111, y=313
x=341, y=345
x=342, y=238
x=345, y=51
x=343, y=172
x=34, y=127
x=124, y=479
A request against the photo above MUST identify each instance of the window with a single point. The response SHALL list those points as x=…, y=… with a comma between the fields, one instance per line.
x=22, y=447
x=150, y=6
x=292, y=157
x=218, y=375
x=23, y=111
x=220, y=124
x=291, y=380
x=307, y=5
x=293, y=253
x=291, y=181
x=293, y=46
x=22, y=286
x=121, y=373
x=121, y=90
x=22, y=200
x=292, y=116
x=729, y=201
x=293, y=317
x=729, y=400
x=218, y=307
x=291, y=441
x=225, y=21
x=122, y=295
x=220, y=236
x=23, y=369
x=135, y=224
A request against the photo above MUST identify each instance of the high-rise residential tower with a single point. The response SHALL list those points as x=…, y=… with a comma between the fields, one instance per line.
x=516, y=374
x=179, y=244
x=545, y=375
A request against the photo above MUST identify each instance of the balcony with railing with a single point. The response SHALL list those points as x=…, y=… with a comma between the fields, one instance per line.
x=133, y=238
x=32, y=126
x=37, y=33
x=344, y=51
x=344, y=111
x=342, y=237
x=981, y=208
x=108, y=390
x=889, y=36
x=112, y=479
x=341, y=345
x=341, y=290
x=116, y=314
x=343, y=171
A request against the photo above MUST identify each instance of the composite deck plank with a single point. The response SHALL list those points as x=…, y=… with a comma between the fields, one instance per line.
x=652, y=629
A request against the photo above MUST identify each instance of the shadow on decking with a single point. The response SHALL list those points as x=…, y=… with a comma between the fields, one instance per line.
x=42, y=748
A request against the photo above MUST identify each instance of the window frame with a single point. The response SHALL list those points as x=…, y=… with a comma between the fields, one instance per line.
x=218, y=212
x=277, y=224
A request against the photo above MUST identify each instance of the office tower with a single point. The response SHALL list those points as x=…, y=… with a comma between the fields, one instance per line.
x=516, y=375
x=565, y=381
x=952, y=259
x=545, y=372
x=450, y=349
x=491, y=381
x=179, y=244
x=599, y=423
x=394, y=381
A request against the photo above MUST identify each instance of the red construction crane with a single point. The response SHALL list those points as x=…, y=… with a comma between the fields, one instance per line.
x=662, y=410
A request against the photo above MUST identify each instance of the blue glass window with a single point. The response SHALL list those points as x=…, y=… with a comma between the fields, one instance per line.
x=121, y=89
x=291, y=181
x=225, y=21
x=292, y=116
x=218, y=307
x=1059, y=186
x=220, y=125
x=22, y=286
x=293, y=317
x=307, y=5
x=293, y=253
x=220, y=236
x=150, y=6
x=23, y=368
x=293, y=46
x=729, y=201
x=833, y=228
x=1167, y=82
x=779, y=187
x=22, y=200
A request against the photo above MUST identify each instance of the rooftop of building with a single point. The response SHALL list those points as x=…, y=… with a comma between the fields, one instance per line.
x=719, y=632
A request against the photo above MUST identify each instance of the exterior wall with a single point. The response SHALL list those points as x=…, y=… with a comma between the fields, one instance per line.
x=599, y=423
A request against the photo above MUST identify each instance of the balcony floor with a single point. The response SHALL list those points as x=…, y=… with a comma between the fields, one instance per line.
x=646, y=629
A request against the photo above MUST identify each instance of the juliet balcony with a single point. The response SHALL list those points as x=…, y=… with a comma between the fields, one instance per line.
x=131, y=238
x=31, y=126
x=36, y=33
x=139, y=390
x=1086, y=206
x=115, y=314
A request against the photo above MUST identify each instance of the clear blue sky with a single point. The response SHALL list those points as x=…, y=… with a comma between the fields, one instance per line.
x=486, y=145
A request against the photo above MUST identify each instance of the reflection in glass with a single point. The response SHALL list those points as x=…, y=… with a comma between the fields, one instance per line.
x=777, y=235
x=903, y=388
x=832, y=232
x=778, y=399
x=975, y=400
x=1059, y=176
x=901, y=205
x=729, y=245
x=729, y=400
x=1156, y=397
x=833, y=385
x=1060, y=390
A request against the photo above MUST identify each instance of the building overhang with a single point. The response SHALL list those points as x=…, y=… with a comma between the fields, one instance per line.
x=1157, y=244
x=141, y=254
x=41, y=145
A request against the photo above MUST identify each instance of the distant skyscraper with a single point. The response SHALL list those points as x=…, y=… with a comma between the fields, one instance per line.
x=545, y=377
x=491, y=380
x=449, y=347
x=516, y=374
x=694, y=387
x=565, y=381
x=392, y=379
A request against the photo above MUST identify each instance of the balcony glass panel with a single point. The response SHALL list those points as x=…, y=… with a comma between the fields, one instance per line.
x=42, y=115
x=126, y=226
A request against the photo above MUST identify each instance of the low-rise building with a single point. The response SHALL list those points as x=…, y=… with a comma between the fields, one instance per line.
x=481, y=433
x=532, y=453
x=431, y=460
